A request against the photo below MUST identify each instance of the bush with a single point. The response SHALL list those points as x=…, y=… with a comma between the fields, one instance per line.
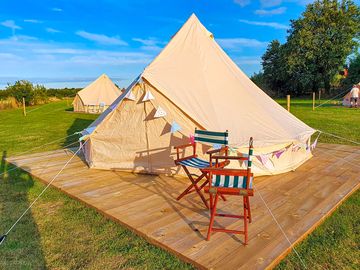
x=22, y=89
x=34, y=94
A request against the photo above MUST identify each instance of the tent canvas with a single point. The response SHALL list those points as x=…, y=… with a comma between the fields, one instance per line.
x=197, y=85
x=97, y=96
x=347, y=99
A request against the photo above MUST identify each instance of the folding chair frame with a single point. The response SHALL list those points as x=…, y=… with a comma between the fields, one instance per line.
x=215, y=192
x=194, y=186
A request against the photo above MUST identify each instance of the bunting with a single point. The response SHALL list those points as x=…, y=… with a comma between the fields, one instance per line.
x=130, y=95
x=216, y=146
x=279, y=153
x=313, y=145
x=192, y=138
x=159, y=112
x=148, y=96
x=175, y=127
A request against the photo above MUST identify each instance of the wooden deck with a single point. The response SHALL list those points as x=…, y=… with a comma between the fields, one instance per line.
x=146, y=204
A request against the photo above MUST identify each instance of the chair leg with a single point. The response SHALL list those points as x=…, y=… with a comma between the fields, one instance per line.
x=245, y=221
x=213, y=212
x=248, y=208
x=193, y=182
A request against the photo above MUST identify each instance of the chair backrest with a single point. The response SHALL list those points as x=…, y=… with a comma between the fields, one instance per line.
x=211, y=137
x=233, y=178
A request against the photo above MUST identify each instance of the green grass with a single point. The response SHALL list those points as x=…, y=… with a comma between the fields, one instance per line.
x=62, y=233
x=59, y=232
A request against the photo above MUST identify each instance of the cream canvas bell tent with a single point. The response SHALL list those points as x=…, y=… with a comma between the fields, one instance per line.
x=347, y=98
x=97, y=96
x=193, y=83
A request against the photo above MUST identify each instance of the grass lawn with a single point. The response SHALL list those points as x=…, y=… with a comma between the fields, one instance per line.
x=62, y=233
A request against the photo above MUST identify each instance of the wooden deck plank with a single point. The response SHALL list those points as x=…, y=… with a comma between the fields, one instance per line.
x=147, y=204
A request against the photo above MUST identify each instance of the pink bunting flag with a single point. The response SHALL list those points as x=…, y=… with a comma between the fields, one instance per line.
x=263, y=159
x=192, y=138
x=314, y=144
x=279, y=153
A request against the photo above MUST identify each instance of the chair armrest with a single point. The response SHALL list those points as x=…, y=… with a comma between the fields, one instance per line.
x=179, y=147
x=223, y=148
x=183, y=146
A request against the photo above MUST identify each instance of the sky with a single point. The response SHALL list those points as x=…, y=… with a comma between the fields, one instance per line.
x=68, y=43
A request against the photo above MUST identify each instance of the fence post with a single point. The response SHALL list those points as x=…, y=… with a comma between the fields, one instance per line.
x=314, y=100
x=288, y=102
x=24, y=108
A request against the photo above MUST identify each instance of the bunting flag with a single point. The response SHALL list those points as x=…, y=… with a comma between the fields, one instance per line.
x=312, y=147
x=232, y=150
x=192, y=138
x=148, y=96
x=130, y=95
x=175, y=127
x=159, y=112
x=216, y=146
x=263, y=159
x=296, y=147
x=279, y=153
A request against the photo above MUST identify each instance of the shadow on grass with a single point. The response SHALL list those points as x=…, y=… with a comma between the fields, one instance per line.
x=78, y=125
x=22, y=248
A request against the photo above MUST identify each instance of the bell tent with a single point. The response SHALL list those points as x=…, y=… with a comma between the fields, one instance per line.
x=347, y=98
x=97, y=96
x=193, y=83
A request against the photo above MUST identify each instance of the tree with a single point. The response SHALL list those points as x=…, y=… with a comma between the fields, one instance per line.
x=21, y=89
x=274, y=67
x=353, y=72
x=259, y=80
x=320, y=41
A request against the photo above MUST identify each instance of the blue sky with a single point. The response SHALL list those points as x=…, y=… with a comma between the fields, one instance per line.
x=68, y=43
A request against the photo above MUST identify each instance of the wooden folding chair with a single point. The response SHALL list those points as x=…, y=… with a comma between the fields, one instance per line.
x=230, y=182
x=201, y=136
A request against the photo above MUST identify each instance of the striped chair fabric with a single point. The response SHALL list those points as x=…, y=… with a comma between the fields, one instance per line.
x=195, y=163
x=211, y=137
x=230, y=181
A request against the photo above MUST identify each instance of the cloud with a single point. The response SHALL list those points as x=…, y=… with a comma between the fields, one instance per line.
x=23, y=38
x=242, y=3
x=35, y=52
x=267, y=24
x=270, y=3
x=150, y=44
x=10, y=24
x=32, y=21
x=101, y=39
x=52, y=30
x=236, y=43
x=56, y=9
x=269, y=12
x=9, y=57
